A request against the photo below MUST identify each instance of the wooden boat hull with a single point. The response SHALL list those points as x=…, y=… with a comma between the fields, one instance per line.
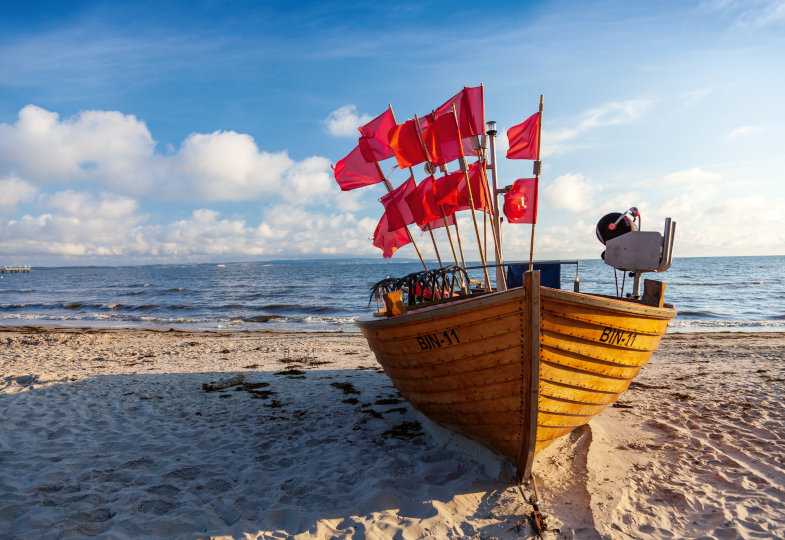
x=517, y=370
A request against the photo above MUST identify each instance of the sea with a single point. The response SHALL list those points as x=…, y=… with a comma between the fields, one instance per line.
x=744, y=294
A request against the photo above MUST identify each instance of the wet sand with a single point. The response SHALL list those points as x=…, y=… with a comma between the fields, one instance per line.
x=110, y=433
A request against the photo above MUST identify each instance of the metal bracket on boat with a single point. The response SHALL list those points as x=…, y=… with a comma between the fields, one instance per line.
x=641, y=251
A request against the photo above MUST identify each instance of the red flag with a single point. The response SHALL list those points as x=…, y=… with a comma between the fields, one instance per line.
x=524, y=138
x=406, y=145
x=389, y=240
x=399, y=215
x=423, y=204
x=374, y=144
x=470, y=109
x=520, y=203
x=445, y=189
x=449, y=215
x=443, y=139
x=452, y=189
x=353, y=171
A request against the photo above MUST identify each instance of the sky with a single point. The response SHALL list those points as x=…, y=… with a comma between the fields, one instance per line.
x=204, y=131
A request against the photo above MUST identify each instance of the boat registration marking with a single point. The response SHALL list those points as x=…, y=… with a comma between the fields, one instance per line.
x=614, y=336
x=434, y=341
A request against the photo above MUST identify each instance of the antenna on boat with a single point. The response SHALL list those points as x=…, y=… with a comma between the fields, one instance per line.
x=501, y=282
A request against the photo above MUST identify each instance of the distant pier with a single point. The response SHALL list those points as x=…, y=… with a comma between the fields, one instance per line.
x=14, y=269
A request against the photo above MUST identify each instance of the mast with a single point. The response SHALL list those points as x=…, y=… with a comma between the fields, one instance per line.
x=537, y=170
x=501, y=282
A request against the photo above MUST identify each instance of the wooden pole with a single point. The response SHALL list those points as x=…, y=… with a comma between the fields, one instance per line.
x=460, y=245
x=409, y=234
x=537, y=167
x=430, y=162
x=433, y=239
x=435, y=248
x=501, y=280
x=474, y=216
x=530, y=375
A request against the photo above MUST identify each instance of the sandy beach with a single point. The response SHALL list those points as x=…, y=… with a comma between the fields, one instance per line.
x=111, y=434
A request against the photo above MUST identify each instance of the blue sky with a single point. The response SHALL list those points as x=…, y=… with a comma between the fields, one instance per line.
x=204, y=131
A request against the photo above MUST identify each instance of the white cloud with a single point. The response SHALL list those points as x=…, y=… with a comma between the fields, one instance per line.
x=107, y=150
x=572, y=192
x=691, y=176
x=107, y=229
x=614, y=113
x=609, y=114
x=750, y=14
x=225, y=165
x=100, y=145
x=743, y=131
x=344, y=121
x=14, y=191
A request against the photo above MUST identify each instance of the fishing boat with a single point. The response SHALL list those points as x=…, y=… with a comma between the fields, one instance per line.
x=516, y=365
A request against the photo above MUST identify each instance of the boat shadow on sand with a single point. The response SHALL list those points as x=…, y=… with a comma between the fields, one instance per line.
x=322, y=452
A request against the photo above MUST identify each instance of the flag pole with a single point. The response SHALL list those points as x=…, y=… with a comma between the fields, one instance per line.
x=500, y=277
x=537, y=169
x=411, y=172
x=501, y=280
x=471, y=203
x=430, y=162
x=433, y=239
x=389, y=187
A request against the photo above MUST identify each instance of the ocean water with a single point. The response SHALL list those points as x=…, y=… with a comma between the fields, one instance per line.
x=710, y=294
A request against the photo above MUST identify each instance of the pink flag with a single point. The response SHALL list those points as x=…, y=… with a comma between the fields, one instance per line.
x=470, y=109
x=524, y=138
x=520, y=203
x=443, y=139
x=452, y=189
x=374, y=143
x=353, y=171
x=399, y=215
x=449, y=214
x=389, y=240
x=405, y=143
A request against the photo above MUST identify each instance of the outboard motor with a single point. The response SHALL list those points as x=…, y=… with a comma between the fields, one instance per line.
x=632, y=250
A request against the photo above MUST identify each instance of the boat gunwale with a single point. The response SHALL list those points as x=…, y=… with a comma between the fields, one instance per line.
x=444, y=308
x=462, y=304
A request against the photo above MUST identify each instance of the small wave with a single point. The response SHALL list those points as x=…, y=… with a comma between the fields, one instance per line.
x=133, y=293
x=716, y=283
x=297, y=307
x=699, y=314
x=150, y=307
x=232, y=306
x=72, y=305
x=728, y=324
x=262, y=318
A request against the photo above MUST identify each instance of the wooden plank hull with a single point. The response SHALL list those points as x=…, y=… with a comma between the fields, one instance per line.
x=465, y=363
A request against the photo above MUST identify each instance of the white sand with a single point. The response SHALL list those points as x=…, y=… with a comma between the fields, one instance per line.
x=110, y=434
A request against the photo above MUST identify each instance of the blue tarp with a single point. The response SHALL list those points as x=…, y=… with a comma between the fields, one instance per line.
x=550, y=275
